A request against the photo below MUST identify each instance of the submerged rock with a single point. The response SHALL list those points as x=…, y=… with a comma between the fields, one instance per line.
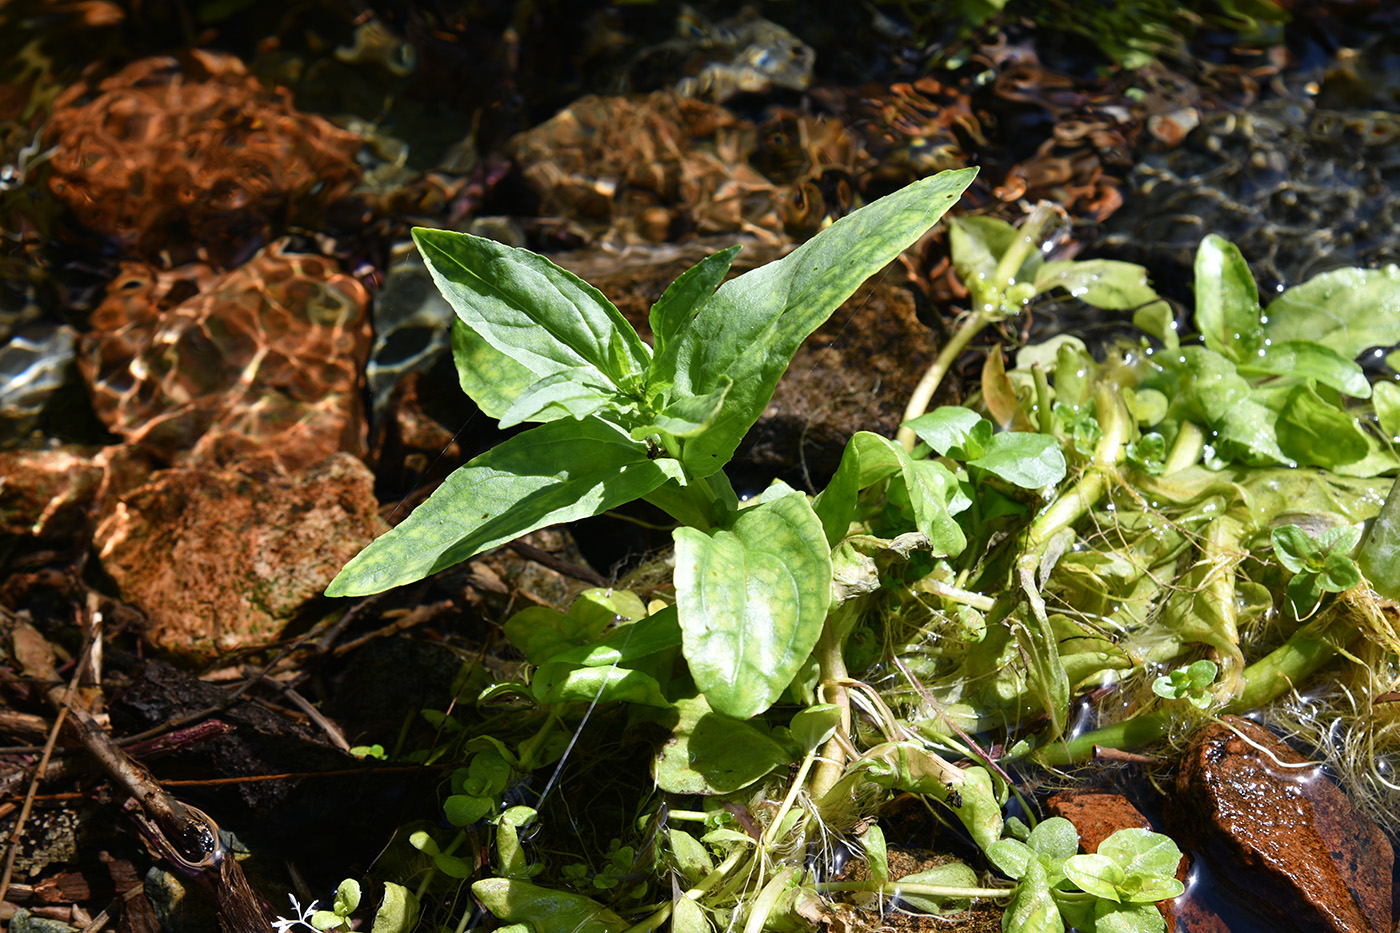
x=222, y=559
x=1285, y=839
x=170, y=154
x=198, y=367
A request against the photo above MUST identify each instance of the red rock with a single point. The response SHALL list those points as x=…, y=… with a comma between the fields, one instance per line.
x=224, y=559
x=1286, y=839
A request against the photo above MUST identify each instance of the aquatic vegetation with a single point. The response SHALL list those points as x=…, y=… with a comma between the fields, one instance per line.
x=1140, y=522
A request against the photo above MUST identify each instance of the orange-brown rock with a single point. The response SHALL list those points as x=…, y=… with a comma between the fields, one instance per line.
x=1285, y=838
x=170, y=153
x=222, y=559
x=193, y=366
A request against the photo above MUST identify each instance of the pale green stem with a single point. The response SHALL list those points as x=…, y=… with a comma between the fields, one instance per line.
x=895, y=889
x=768, y=899
x=832, y=663
x=1044, y=410
x=1186, y=449
x=923, y=392
x=653, y=921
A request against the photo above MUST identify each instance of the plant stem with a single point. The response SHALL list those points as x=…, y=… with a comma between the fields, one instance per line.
x=768, y=899
x=923, y=392
x=895, y=889
x=1186, y=449
x=1309, y=648
x=831, y=660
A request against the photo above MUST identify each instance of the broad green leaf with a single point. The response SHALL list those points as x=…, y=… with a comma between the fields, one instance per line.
x=1127, y=918
x=561, y=395
x=609, y=670
x=398, y=910
x=752, y=600
x=1103, y=283
x=1339, y=573
x=1030, y=461
x=489, y=377
x=1032, y=908
x=1047, y=353
x=688, y=917
x=1055, y=838
x=1158, y=320
x=811, y=727
x=1387, y=402
x=1379, y=557
x=1304, y=359
x=750, y=328
x=976, y=244
x=691, y=857
x=872, y=843
x=687, y=417
x=515, y=901
x=951, y=875
x=683, y=297
x=1011, y=857
x=1148, y=889
x=713, y=754
x=1346, y=310
x=932, y=488
x=1227, y=300
x=1294, y=548
x=1141, y=851
x=546, y=318
x=347, y=897
x=1312, y=431
x=946, y=428
x=1096, y=874
x=979, y=810
x=557, y=472
x=464, y=809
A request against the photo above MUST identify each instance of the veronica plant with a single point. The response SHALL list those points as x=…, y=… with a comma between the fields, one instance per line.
x=621, y=420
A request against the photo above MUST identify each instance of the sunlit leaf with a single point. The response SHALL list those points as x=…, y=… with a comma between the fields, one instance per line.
x=752, y=600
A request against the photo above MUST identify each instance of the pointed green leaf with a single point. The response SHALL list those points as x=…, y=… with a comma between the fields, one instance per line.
x=750, y=328
x=398, y=911
x=950, y=875
x=557, y=472
x=1103, y=283
x=752, y=600
x=561, y=395
x=1032, y=908
x=1030, y=461
x=1096, y=874
x=687, y=417
x=489, y=377
x=713, y=754
x=612, y=668
x=946, y=428
x=544, y=317
x=1141, y=851
x=1227, y=300
x=933, y=491
x=1312, y=431
x=1387, y=402
x=976, y=244
x=516, y=901
x=1379, y=557
x=1307, y=360
x=1346, y=310
x=683, y=297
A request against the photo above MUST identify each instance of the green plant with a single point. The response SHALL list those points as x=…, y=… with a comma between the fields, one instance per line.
x=1114, y=889
x=1081, y=522
x=1191, y=683
x=623, y=421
